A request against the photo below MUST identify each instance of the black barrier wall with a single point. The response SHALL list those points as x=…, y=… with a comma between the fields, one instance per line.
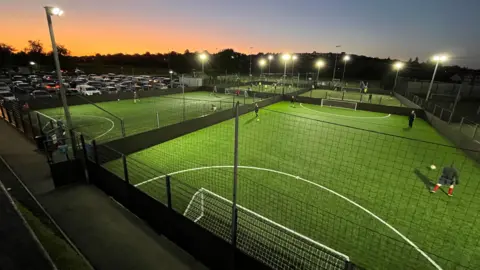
x=406, y=102
x=45, y=103
x=138, y=142
x=206, y=247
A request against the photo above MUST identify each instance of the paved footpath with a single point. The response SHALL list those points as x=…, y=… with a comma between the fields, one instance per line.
x=108, y=235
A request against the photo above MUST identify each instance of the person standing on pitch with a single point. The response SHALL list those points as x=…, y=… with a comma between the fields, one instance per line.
x=256, y=110
x=411, y=118
x=370, y=98
x=292, y=101
x=134, y=96
x=449, y=177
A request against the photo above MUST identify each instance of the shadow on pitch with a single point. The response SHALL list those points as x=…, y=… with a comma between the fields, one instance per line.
x=426, y=181
x=250, y=120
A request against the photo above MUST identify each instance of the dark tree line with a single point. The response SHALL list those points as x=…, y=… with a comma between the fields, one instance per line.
x=230, y=62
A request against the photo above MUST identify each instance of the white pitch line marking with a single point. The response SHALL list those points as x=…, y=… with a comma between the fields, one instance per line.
x=96, y=116
x=346, y=116
x=311, y=183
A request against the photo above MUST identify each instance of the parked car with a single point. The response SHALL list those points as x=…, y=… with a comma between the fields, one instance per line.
x=24, y=88
x=96, y=84
x=7, y=96
x=109, y=89
x=88, y=90
x=40, y=94
x=19, y=78
x=51, y=87
x=70, y=92
x=4, y=87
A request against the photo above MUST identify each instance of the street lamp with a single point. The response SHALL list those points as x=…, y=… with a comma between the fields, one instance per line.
x=319, y=64
x=203, y=57
x=285, y=58
x=55, y=11
x=294, y=57
x=335, y=67
x=346, y=58
x=437, y=59
x=397, y=66
x=270, y=58
x=262, y=63
x=171, y=78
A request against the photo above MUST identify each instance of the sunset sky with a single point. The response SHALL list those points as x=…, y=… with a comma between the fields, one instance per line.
x=382, y=28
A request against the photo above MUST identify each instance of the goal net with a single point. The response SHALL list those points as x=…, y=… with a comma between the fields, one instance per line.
x=339, y=104
x=267, y=241
x=237, y=92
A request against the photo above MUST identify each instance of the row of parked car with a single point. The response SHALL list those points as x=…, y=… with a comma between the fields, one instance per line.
x=45, y=86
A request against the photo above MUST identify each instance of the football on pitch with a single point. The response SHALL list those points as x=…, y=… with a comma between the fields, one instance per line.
x=258, y=119
x=433, y=167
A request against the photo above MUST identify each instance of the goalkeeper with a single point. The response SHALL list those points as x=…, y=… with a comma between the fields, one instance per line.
x=449, y=177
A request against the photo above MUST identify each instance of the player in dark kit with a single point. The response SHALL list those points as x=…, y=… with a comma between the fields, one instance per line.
x=449, y=177
x=256, y=110
x=411, y=118
x=292, y=101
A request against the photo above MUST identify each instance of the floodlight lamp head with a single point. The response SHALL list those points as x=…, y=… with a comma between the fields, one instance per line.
x=440, y=58
x=54, y=11
x=294, y=57
x=346, y=58
x=262, y=62
x=270, y=57
x=32, y=63
x=398, y=65
x=171, y=72
x=319, y=64
x=286, y=57
x=203, y=56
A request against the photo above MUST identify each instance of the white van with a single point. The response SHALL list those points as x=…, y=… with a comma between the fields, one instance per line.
x=88, y=90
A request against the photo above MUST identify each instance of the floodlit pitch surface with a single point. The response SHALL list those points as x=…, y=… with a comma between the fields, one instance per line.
x=347, y=179
x=353, y=96
x=141, y=116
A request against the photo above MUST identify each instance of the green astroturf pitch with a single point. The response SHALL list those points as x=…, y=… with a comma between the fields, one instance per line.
x=353, y=96
x=355, y=181
x=104, y=125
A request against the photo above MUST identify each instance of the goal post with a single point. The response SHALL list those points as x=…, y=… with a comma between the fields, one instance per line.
x=343, y=104
x=237, y=91
x=273, y=244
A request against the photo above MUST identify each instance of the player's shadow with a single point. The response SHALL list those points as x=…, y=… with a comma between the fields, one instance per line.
x=407, y=128
x=250, y=120
x=426, y=181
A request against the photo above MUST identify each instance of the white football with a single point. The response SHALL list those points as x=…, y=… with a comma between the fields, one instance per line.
x=433, y=167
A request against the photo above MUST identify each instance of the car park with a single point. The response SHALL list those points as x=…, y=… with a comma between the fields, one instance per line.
x=24, y=87
x=4, y=87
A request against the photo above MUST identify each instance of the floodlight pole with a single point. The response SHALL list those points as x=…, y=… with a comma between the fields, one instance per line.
x=235, y=179
x=318, y=73
x=59, y=72
x=344, y=68
x=431, y=82
x=269, y=62
x=395, y=83
x=335, y=67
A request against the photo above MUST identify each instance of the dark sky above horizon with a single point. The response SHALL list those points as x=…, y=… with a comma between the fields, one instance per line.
x=381, y=28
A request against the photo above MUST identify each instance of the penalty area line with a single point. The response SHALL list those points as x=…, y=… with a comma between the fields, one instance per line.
x=346, y=116
x=311, y=183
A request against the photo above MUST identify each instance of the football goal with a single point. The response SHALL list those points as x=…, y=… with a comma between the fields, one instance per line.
x=237, y=91
x=269, y=242
x=344, y=104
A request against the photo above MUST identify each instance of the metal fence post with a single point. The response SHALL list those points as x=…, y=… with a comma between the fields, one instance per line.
x=380, y=102
x=158, y=120
x=434, y=109
x=441, y=113
x=85, y=158
x=125, y=169
x=475, y=131
x=461, y=123
x=95, y=152
x=122, y=125
x=343, y=95
x=39, y=124
x=235, y=175
x=169, y=192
